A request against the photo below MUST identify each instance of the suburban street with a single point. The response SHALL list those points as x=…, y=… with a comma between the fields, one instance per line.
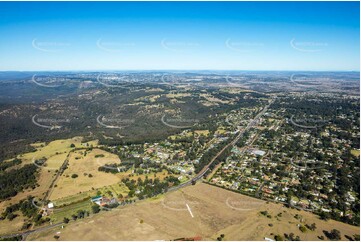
x=235, y=140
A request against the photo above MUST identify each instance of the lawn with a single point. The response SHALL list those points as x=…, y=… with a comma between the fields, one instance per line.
x=59, y=214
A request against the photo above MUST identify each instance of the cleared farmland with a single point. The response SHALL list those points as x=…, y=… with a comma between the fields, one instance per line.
x=201, y=210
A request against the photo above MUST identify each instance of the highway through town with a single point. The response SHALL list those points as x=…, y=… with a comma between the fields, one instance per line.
x=235, y=140
x=194, y=179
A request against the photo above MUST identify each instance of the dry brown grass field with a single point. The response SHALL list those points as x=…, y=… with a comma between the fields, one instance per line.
x=68, y=190
x=15, y=225
x=212, y=211
x=83, y=165
x=55, y=152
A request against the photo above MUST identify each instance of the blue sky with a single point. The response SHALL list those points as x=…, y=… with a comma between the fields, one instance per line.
x=180, y=35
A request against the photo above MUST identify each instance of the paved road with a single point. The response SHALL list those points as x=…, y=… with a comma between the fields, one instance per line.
x=195, y=178
x=240, y=134
x=47, y=195
x=25, y=234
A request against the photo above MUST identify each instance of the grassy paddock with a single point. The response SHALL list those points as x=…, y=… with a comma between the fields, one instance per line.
x=58, y=215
